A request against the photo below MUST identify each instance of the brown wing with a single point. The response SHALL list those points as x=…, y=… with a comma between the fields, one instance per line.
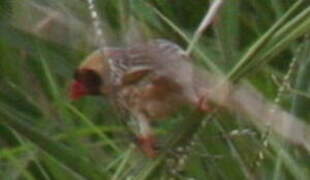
x=171, y=62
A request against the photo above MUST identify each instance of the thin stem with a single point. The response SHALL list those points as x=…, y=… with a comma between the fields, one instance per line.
x=207, y=20
x=96, y=22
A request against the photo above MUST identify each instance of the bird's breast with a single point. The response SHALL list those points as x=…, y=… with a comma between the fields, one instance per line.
x=155, y=101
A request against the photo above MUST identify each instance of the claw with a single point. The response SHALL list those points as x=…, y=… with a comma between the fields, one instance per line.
x=203, y=105
x=148, y=145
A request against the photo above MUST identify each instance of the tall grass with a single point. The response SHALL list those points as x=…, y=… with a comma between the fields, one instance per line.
x=43, y=135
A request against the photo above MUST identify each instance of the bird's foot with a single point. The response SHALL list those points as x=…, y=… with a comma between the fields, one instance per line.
x=148, y=145
x=203, y=105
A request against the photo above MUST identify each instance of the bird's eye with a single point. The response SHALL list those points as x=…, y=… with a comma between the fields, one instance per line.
x=92, y=80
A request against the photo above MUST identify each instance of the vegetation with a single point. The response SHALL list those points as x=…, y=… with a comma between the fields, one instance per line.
x=44, y=135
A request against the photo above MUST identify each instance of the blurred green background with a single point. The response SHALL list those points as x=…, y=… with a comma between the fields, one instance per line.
x=43, y=135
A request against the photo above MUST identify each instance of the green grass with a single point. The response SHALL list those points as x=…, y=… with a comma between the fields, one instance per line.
x=43, y=135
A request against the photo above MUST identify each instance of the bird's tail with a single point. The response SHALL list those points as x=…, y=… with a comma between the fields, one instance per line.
x=245, y=99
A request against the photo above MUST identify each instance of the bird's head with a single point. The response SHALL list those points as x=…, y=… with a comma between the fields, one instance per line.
x=93, y=76
x=88, y=77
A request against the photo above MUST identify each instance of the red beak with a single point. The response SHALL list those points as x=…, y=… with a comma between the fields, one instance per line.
x=77, y=90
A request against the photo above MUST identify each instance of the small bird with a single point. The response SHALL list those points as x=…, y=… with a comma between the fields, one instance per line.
x=151, y=80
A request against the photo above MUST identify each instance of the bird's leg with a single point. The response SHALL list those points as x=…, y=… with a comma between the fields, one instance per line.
x=202, y=103
x=146, y=139
x=218, y=95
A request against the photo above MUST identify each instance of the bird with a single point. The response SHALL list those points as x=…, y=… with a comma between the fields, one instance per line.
x=150, y=80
